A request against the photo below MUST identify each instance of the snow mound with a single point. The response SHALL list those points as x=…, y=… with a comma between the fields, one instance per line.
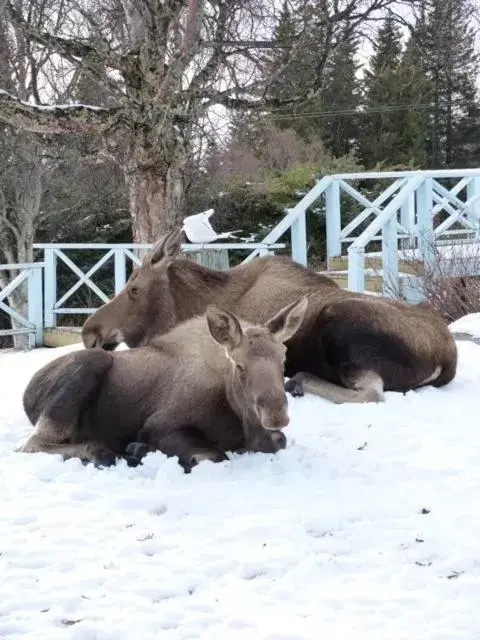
x=468, y=325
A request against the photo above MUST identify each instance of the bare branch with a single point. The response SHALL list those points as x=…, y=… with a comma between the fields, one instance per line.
x=69, y=48
x=225, y=98
x=75, y=118
x=250, y=44
x=209, y=71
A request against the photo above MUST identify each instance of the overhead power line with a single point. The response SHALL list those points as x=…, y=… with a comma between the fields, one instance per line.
x=360, y=112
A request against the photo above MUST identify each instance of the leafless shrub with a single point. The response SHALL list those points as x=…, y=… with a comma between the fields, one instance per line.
x=273, y=150
x=449, y=279
x=455, y=297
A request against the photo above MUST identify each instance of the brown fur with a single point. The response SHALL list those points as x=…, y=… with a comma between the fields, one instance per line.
x=207, y=387
x=350, y=348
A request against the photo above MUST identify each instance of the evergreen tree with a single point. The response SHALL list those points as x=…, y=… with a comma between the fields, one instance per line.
x=337, y=123
x=466, y=134
x=388, y=47
x=380, y=134
x=446, y=43
x=329, y=62
x=283, y=70
x=412, y=118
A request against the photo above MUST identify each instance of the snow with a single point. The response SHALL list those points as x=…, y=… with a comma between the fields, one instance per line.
x=469, y=325
x=459, y=250
x=365, y=527
x=52, y=108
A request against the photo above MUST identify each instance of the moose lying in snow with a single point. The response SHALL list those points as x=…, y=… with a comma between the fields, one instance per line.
x=350, y=348
x=207, y=387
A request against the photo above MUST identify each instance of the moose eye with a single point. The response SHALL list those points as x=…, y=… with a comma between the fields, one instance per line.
x=240, y=369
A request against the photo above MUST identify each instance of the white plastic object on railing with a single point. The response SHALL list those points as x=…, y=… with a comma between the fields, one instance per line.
x=198, y=229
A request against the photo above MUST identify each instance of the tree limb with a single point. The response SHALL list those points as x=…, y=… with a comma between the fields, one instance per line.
x=75, y=118
x=248, y=44
x=225, y=98
x=69, y=48
x=207, y=73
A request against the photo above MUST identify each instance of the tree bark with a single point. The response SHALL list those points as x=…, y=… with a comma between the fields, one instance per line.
x=19, y=215
x=156, y=192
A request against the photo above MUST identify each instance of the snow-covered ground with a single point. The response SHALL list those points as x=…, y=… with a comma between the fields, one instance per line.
x=365, y=528
x=468, y=325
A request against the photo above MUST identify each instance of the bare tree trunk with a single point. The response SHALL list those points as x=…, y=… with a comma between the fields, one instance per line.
x=19, y=298
x=18, y=220
x=156, y=192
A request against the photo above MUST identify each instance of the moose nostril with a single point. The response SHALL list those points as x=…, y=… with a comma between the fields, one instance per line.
x=274, y=421
x=90, y=339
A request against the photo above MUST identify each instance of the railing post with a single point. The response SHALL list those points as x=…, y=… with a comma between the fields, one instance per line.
x=35, y=306
x=50, y=279
x=120, y=269
x=473, y=212
x=426, y=235
x=390, y=258
x=407, y=220
x=356, y=269
x=333, y=220
x=298, y=232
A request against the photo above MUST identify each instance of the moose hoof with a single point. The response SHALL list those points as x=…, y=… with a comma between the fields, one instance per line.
x=132, y=461
x=294, y=387
x=137, y=450
x=101, y=457
x=196, y=458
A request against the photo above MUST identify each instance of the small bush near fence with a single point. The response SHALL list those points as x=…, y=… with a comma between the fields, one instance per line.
x=451, y=282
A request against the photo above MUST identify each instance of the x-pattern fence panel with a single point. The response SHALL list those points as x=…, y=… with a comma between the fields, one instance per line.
x=123, y=256
x=414, y=211
x=52, y=255
x=428, y=210
x=460, y=216
x=404, y=223
x=464, y=213
x=32, y=325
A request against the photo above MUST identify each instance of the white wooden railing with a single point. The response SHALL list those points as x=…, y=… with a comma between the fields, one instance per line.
x=120, y=254
x=32, y=325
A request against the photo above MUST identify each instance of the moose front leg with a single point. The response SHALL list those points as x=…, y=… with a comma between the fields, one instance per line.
x=187, y=443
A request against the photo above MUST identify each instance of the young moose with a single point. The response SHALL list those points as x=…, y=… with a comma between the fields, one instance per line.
x=207, y=387
x=350, y=347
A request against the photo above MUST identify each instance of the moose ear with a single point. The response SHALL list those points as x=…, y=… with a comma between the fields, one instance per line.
x=287, y=321
x=224, y=327
x=166, y=247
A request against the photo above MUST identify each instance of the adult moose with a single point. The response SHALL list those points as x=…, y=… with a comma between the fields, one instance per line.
x=351, y=347
x=207, y=387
